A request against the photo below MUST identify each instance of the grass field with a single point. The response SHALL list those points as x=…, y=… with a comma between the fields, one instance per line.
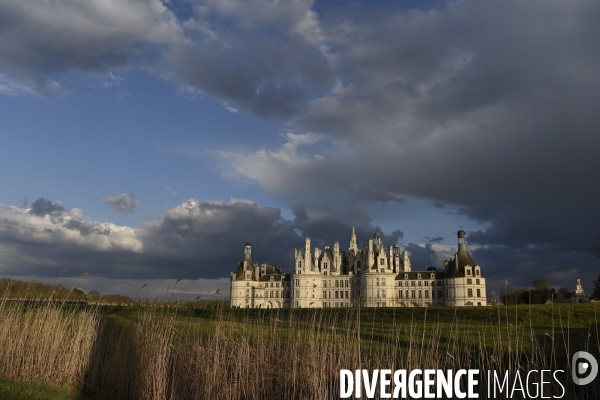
x=13, y=390
x=200, y=353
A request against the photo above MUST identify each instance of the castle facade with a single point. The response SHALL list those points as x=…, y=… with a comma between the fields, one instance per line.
x=371, y=276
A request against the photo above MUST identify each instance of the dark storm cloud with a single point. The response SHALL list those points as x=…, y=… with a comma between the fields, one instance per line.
x=43, y=206
x=325, y=225
x=267, y=60
x=124, y=202
x=488, y=108
x=265, y=57
x=422, y=257
x=40, y=40
x=195, y=239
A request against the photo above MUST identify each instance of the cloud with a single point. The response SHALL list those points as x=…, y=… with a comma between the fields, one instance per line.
x=483, y=109
x=42, y=207
x=124, y=202
x=196, y=239
x=42, y=39
x=436, y=239
x=204, y=239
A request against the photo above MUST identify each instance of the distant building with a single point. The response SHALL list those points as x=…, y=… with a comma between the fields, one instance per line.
x=579, y=295
x=371, y=276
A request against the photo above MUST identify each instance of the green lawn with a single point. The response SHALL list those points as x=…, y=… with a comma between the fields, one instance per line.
x=11, y=390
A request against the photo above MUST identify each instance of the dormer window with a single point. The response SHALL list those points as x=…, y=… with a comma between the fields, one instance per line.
x=405, y=276
x=468, y=271
x=477, y=271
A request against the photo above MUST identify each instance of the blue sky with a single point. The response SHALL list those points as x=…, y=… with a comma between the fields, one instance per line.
x=148, y=140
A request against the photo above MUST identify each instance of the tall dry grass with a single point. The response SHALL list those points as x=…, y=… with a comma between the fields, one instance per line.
x=279, y=356
x=162, y=354
x=46, y=341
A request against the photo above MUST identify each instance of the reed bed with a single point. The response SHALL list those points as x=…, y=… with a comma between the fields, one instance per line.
x=269, y=354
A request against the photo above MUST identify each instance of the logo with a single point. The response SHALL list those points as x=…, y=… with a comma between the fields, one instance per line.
x=583, y=363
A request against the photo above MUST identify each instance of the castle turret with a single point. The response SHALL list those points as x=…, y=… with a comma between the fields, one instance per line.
x=396, y=257
x=405, y=261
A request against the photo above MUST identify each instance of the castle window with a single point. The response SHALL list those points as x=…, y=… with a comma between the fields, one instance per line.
x=420, y=293
x=432, y=276
x=297, y=295
x=426, y=283
x=383, y=282
x=382, y=261
x=346, y=294
x=477, y=281
x=383, y=304
x=468, y=271
x=277, y=293
x=418, y=276
x=277, y=284
x=419, y=283
x=325, y=273
x=271, y=295
x=412, y=283
x=377, y=281
x=330, y=294
x=377, y=293
x=324, y=304
x=439, y=294
x=324, y=283
x=336, y=294
x=325, y=265
x=399, y=294
x=412, y=294
x=477, y=271
x=478, y=292
x=383, y=294
x=427, y=294
x=346, y=282
x=324, y=294
x=407, y=294
x=470, y=292
x=469, y=281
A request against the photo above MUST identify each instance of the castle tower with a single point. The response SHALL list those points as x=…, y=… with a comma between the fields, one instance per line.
x=396, y=257
x=462, y=239
x=353, y=245
x=579, y=295
x=307, y=256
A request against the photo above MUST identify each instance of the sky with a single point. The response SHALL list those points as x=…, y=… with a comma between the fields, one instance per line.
x=145, y=141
